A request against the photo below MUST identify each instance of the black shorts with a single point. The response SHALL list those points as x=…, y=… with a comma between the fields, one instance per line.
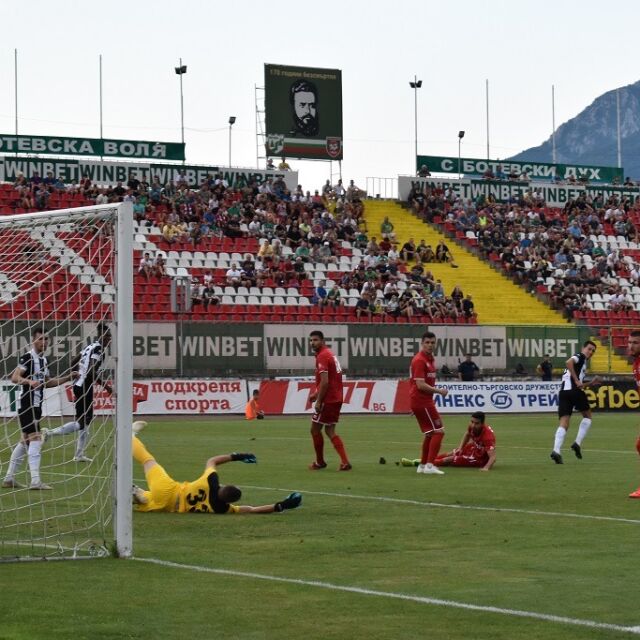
x=84, y=405
x=29, y=419
x=570, y=400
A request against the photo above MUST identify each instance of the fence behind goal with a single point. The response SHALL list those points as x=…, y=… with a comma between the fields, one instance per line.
x=66, y=273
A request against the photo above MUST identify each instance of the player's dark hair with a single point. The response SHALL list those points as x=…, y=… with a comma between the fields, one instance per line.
x=103, y=330
x=38, y=330
x=479, y=415
x=256, y=392
x=317, y=333
x=229, y=493
x=591, y=342
x=428, y=334
x=635, y=333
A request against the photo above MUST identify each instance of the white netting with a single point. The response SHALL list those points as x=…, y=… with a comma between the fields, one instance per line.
x=57, y=273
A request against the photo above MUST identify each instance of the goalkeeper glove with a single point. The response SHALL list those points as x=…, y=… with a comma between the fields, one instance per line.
x=292, y=501
x=249, y=458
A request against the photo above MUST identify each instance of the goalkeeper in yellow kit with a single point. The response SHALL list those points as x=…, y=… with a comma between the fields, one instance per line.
x=204, y=495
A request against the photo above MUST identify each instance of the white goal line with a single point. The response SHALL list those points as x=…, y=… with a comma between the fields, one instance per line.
x=400, y=596
x=442, y=505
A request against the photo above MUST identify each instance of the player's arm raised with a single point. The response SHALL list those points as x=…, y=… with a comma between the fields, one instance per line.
x=216, y=461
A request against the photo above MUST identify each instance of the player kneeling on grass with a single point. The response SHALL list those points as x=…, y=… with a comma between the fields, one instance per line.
x=204, y=495
x=477, y=448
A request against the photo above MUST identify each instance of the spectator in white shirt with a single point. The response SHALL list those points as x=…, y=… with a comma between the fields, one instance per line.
x=234, y=275
x=146, y=266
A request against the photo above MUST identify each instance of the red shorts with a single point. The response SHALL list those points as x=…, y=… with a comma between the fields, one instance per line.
x=462, y=460
x=329, y=414
x=428, y=418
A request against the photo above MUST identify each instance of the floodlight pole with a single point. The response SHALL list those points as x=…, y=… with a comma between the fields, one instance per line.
x=415, y=85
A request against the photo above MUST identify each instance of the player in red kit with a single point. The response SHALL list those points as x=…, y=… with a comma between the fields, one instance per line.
x=327, y=399
x=477, y=449
x=423, y=407
x=634, y=350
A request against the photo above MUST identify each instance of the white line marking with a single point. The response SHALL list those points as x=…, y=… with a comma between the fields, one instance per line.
x=400, y=596
x=442, y=505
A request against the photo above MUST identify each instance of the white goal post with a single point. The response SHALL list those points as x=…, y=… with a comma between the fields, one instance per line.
x=66, y=276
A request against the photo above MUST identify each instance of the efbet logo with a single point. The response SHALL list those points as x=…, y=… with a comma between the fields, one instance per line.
x=608, y=397
x=501, y=400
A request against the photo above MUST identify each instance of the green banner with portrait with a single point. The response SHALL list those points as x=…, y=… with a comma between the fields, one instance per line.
x=303, y=108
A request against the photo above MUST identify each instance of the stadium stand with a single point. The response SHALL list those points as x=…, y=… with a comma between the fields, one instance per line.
x=581, y=259
x=247, y=253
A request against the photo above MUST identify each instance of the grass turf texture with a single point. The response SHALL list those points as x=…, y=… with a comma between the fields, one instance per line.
x=550, y=564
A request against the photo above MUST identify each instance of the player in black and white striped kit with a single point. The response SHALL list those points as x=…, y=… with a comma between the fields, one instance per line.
x=572, y=396
x=32, y=374
x=89, y=372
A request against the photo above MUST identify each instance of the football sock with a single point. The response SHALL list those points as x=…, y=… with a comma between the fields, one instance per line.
x=65, y=429
x=17, y=456
x=34, y=460
x=338, y=445
x=638, y=445
x=140, y=452
x=585, y=423
x=434, y=446
x=81, y=443
x=424, y=454
x=318, y=445
x=561, y=432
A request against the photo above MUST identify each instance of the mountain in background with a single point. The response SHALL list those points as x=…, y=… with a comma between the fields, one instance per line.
x=591, y=137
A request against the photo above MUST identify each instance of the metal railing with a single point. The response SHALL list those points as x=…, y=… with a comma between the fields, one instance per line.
x=386, y=188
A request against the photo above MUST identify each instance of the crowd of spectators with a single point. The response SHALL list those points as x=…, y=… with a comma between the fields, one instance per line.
x=566, y=252
x=294, y=229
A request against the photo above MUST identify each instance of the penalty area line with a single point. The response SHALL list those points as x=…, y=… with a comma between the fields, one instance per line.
x=443, y=505
x=533, y=615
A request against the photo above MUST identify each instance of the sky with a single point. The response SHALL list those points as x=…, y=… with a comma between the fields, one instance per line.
x=522, y=48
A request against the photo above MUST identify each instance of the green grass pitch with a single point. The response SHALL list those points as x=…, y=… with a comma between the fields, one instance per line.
x=508, y=539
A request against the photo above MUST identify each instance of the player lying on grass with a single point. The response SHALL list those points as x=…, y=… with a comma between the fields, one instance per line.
x=204, y=495
x=477, y=448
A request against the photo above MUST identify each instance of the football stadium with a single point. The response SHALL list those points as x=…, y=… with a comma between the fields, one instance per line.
x=249, y=388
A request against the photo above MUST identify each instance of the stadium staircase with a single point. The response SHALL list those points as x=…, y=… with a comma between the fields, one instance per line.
x=497, y=300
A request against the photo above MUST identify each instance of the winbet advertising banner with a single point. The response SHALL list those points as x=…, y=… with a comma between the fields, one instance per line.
x=109, y=173
x=200, y=349
x=554, y=195
x=303, y=112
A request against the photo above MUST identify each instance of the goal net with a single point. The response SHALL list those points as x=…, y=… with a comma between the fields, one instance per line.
x=65, y=307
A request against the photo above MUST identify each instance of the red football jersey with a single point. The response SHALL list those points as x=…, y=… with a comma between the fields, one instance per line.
x=636, y=371
x=485, y=440
x=423, y=367
x=326, y=361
